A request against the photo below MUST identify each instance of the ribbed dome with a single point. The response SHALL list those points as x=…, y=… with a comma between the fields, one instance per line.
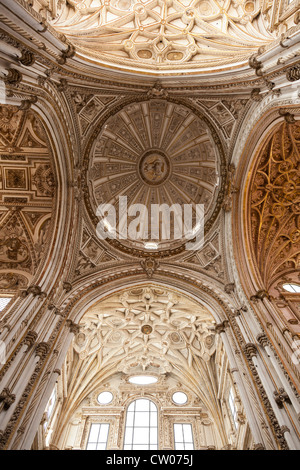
x=154, y=152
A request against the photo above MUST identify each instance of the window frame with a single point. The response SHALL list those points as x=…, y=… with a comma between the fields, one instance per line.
x=102, y=423
x=97, y=418
x=182, y=423
x=232, y=408
x=6, y=297
x=292, y=283
x=131, y=402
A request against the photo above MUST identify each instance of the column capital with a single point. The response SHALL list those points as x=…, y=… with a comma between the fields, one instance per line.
x=280, y=397
x=259, y=446
x=42, y=350
x=27, y=58
x=250, y=349
x=260, y=295
x=36, y=291
x=293, y=73
x=73, y=327
x=13, y=77
x=67, y=286
x=7, y=398
x=262, y=339
x=220, y=327
x=30, y=339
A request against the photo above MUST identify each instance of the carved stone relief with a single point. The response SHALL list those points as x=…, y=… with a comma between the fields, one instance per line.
x=27, y=188
x=160, y=35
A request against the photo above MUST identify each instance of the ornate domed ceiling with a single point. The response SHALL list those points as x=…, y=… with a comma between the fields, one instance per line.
x=155, y=152
x=162, y=35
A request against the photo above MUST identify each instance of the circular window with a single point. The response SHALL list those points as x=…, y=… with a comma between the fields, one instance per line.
x=293, y=288
x=179, y=398
x=143, y=380
x=105, y=398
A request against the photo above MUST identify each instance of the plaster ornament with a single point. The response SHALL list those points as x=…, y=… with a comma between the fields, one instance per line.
x=164, y=35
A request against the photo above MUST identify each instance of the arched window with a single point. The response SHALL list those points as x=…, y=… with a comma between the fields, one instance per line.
x=141, y=430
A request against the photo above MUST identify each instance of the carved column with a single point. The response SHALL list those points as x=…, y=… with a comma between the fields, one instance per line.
x=165, y=432
x=20, y=357
x=252, y=352
x=115, y=432
x=255, y=430
x=263, y=340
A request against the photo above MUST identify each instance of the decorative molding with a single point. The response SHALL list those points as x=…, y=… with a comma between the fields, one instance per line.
x=7, y=398
x=13, y=77
x=293, y=73
x=150, y=265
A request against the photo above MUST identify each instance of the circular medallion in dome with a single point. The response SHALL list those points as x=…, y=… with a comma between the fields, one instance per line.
x=154, y=153
x=154, y=167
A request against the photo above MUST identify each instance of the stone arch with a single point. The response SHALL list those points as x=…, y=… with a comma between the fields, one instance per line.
x=229, y=339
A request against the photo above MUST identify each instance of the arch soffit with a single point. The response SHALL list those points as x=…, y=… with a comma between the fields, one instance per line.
x=61, y=150
x=81, y=300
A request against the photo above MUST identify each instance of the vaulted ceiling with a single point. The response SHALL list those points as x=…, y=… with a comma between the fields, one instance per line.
x=146, y=330
x=165, y=35
x=154, y=152
x=274, y=205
